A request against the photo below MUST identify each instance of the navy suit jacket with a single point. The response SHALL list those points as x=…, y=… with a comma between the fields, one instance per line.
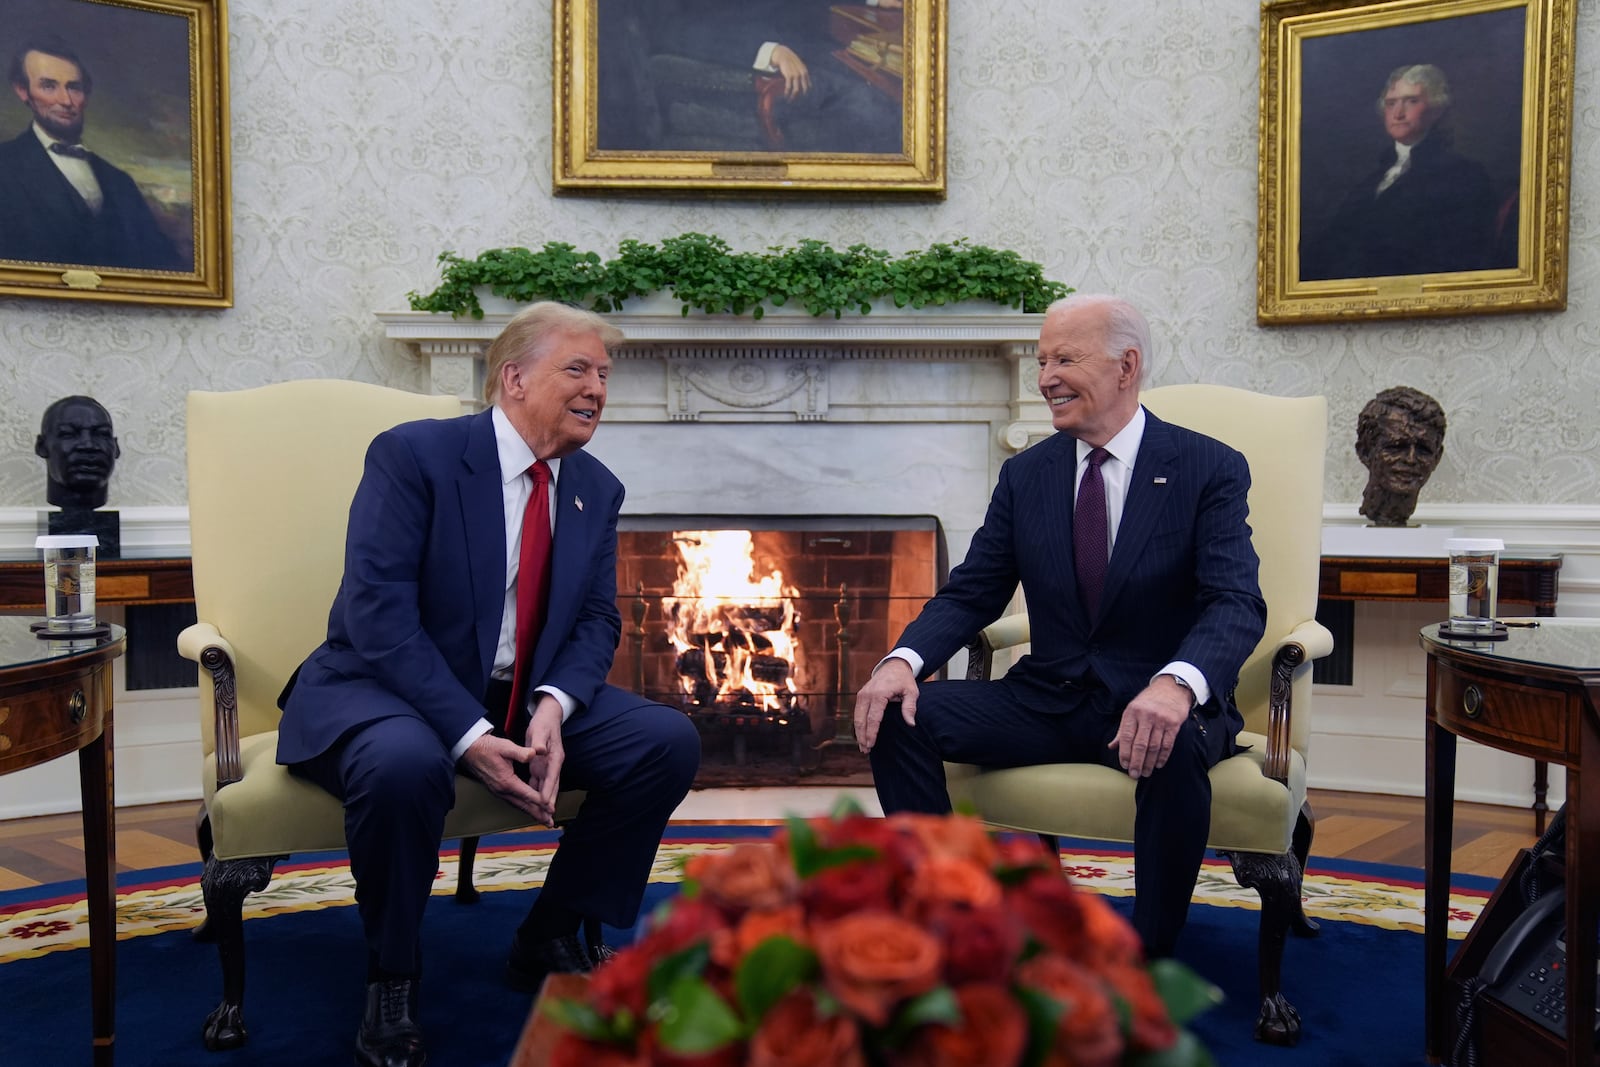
x=44, y=219
x=1181, y=583
x=415, y=623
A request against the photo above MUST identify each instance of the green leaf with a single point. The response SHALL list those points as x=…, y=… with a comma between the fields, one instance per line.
x=1044, y=1016
x=578, y=1016
x=935, y=1006
x=697, y=1020
x=684, y=964
x=1185, y=1052
x=771, y=970
x=1183, y=991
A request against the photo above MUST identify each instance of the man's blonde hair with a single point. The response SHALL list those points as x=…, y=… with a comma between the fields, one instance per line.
x=526, y=334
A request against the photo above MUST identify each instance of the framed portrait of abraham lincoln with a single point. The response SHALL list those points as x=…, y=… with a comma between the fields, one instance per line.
x=114, y=151
x=1415, y=158
x=756, y=97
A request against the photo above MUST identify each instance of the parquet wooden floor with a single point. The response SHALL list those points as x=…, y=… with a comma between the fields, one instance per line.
x=1357, y=826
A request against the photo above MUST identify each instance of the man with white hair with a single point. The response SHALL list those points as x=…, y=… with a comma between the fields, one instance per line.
x=1422, y=209
x=1129, y=538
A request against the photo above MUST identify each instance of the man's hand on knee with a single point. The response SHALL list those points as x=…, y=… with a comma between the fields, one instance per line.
x=892, y=681
x=1150, y=725
x=493, y=761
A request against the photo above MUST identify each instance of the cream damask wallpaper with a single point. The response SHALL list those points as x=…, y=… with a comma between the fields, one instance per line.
x=1112, y=140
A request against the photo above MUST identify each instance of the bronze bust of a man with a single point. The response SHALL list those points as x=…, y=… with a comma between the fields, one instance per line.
x=79, y=450
x=1400, y=440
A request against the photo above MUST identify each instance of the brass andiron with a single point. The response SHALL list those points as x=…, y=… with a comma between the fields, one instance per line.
x=640, y=608
x=843, y=703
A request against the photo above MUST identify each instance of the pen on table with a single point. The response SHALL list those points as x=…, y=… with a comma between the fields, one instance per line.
x=1518, y=622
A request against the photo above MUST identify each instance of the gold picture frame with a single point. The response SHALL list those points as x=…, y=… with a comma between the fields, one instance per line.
x=695, y=96
x=138, y=212
x=1481, y=220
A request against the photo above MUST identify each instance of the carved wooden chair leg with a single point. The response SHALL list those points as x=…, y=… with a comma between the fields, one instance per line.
x=1276, y=878
x=203, y=841
x=466, y=892
x=1305, y=828
x=224, y=884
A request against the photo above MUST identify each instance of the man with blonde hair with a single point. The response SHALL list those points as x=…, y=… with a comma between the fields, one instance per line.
x=473, y=630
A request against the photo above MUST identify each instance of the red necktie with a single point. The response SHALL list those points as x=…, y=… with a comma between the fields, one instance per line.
x=1090, y=535
x=533, y=585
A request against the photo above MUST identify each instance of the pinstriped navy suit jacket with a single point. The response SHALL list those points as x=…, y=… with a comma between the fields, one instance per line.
x=1181, y=582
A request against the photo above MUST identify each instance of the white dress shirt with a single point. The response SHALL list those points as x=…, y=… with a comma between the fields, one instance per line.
x=1116, y=472
x=516, y=487
x=75, y=170
x=1402, y=163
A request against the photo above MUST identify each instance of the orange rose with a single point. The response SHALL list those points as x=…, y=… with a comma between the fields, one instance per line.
x=951, y=880
x=979, y=946
x=1087, y=1035
x=622, y=982
x=1024, y=853
x=993, y=1032
x=864, y=885
x=954, y=836
x=898, y=848
x=1050, y=909
x=873, y=960
x=687, y=921
x=1108, y=938
x=749, y=875
x=794, y=1035
x=731, y=946
x=1150, y=1028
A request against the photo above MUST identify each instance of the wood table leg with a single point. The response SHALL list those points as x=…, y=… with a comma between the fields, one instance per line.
x=100, y=876
x=1541, y=786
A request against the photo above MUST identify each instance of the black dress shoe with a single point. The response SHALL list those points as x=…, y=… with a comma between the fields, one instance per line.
x=389, y=1035
x=531, y=962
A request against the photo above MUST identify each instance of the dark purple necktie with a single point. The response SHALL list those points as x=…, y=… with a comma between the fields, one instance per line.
x=1091, y=533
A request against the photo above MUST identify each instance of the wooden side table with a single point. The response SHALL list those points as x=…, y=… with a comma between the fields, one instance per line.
x=1536, y=693
x=1525, y=578
x=55, y=698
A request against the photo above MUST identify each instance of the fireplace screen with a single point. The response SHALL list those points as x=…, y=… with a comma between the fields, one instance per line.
x=761, y=630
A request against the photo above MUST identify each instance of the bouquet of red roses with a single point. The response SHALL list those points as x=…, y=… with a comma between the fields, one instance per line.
x=911, y=941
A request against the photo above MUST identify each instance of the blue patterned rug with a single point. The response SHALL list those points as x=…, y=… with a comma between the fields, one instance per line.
x=305, y=960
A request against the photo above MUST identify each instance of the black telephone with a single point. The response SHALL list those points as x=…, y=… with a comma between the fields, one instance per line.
x=1527, y=968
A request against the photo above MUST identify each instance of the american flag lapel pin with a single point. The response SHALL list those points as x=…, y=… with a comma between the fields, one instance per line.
x=578, y=502
x=1161, y=481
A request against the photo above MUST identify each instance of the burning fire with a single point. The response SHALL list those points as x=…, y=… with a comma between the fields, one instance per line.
x=735, y=633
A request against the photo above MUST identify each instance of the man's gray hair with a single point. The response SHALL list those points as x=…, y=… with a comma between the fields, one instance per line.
x=525, y=335
x=1430, y=77
x=1125, y=327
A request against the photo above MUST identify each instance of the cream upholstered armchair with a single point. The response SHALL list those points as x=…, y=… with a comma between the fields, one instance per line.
x=272, y=471
x=1259, y=815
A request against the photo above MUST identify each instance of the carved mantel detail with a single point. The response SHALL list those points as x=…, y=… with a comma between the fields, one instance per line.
x=782, y=367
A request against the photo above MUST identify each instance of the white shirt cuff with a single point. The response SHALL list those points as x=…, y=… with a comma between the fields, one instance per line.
x=568, y=704
x=906, y=654
x=477, y=730
x=1189, y=675
x=764, y=57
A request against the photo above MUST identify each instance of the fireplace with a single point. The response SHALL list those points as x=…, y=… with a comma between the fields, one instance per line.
x=761, y=630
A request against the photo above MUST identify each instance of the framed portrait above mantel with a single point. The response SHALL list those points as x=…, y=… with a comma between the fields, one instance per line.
x=1415, y=158
x=756, y=97
x=114, y=151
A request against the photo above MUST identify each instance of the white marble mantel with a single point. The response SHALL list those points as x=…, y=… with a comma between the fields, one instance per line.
x=782, y=367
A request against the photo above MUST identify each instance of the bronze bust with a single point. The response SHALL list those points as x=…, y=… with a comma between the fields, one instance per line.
x=1400, y=440
x=79, y=450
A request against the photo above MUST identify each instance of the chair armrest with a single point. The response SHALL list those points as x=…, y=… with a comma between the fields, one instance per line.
x=204, y=644
x=1005, y=632
x=1295, y=651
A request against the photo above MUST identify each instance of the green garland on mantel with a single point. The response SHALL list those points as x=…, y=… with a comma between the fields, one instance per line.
x=706, y=275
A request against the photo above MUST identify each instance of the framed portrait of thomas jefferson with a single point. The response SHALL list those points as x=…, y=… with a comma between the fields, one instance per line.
x=114, y=151
x=763, y=97
x=1414, y=158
